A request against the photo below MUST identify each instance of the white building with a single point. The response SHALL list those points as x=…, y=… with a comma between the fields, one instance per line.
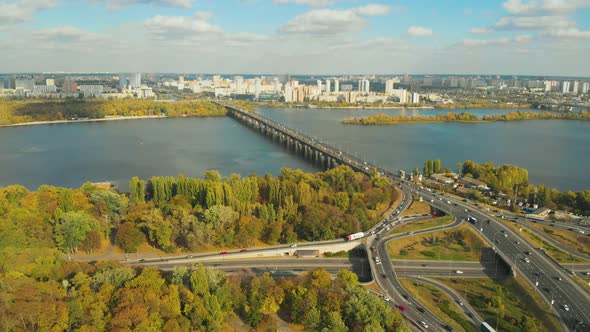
x=364, y=86
x=91, y=90
x=328, y=86
x=415, y=98
x=388, y=86
x=239, y=84
x=565, y=86
x=257, y=87
x=288, y=94
x=135, y=81
x=50, y=81
x=336, y=85
x=585, y=87
x=576, y=87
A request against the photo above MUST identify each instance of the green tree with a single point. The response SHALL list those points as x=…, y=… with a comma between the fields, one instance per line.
x=137, y=190
x=71, y=229
x=129, y=237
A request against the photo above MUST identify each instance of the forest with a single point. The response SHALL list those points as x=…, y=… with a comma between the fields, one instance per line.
x=514, y=181
x=43, y=290
x=23, y=111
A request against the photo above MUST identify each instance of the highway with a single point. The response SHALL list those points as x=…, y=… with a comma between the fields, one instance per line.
x=525, y=260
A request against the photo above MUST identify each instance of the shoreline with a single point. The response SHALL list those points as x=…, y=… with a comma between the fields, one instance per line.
x=353, y=107
x=114, y=118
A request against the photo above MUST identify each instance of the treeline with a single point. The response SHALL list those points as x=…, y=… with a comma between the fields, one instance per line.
x=381, y=119
x=480, y=103
x=514, y=182
x=108, y=296
x=13, y=111
x=520, y=115
x=195, y=214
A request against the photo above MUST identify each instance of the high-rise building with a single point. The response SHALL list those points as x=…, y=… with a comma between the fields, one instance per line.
x=415, y=98
x=585, y=87
x=288, y=93
x=181, y=79
x=319, y=83
x=328, y=86
x=364, y=86
x=257, y=87
x=91, y=90
x=70, y=86
x=135, y=80
x=576, y=87
x=565, y=86
x=50, y=82
x=388, y=86
x=123, y=81
x=239, y=82
x=336, y=85
x=216, y=80
x=26, y=83
x=277, y=85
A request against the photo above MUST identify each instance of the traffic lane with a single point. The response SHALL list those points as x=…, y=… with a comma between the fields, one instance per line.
x=482, y=216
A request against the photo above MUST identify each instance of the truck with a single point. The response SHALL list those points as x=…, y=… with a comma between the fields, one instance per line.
x=485, y=327
x=355, y=236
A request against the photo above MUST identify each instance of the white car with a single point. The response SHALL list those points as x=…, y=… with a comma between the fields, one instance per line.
x=423, y=323
x=566, y=307
x=294, y=245
x=459, y=272
x=526, y=259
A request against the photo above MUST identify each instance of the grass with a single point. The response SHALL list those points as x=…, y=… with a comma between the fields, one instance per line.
x=557, y=254
x=511, y=298
x=417, y=207
x=459, y=243
x=422, y=224
x=574, y=241
x=435, y=300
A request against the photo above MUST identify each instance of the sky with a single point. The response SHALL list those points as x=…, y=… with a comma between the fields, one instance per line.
x=316, y=37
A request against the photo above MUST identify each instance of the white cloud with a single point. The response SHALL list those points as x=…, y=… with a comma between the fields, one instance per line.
x=371, y=44
x=418, y=31
x=119, y=4
x=520, y=7
x=497, y=41
x=313, y=3
x=66, y=34
x=332, y=21
x=533, y=22
x=481, y=31
x=573, y=33
x=22, y=10
x=181, y=26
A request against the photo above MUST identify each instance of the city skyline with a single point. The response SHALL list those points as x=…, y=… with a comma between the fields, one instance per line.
x=313, y=37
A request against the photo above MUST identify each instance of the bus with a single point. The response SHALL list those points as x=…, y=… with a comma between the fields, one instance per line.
x=485, y=327
x=355, y=236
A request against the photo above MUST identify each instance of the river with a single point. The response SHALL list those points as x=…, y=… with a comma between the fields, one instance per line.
x=556, y=152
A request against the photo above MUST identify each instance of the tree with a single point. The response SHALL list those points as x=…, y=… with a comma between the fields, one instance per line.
x=459, y=168
x=436, y=166
x=129, y=237
x=137, y=190
x=71, y=229
x=92, y=242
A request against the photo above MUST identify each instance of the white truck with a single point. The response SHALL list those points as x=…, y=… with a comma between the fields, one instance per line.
x=355, y=236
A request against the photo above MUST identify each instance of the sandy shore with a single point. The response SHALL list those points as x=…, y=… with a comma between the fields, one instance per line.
x=113, y=118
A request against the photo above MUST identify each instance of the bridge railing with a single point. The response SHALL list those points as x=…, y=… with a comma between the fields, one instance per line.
x=344, y=157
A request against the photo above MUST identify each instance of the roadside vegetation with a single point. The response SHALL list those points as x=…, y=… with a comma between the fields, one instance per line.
x=33, y=110
x=557, y=254
x=460, y=243
x=439, y=303
x=422, y=224
x=572, y=240
x=417, y=207
x=466, y=103
x=510, y=303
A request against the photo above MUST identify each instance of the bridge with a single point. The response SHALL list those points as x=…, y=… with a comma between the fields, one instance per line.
x=299, y=143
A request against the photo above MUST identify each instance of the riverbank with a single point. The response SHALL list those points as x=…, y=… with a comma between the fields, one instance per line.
x=384, y=119
x=115, y=118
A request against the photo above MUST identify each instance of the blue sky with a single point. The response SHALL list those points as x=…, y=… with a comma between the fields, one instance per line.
x=537, y=37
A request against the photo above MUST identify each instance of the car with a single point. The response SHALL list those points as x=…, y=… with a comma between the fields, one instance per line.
x=402, y=308
x=386, y=299
x=244, y=250
x=449, y=202
x=526, y=259
x=294, y=245
x=566, y=307
x=517, y=242
x=421, y=309
x=423, y=323
x=384, y=276
x=527, y=253
x=587, y=273
x=405, y=296
x=448, y=328
x=372, y=248
x=459, y=272
x=223, y=253
x=424, y=264
x=558, y=278
x=505, y=235
x=410, y=233
x=142, y=260
x=460, y=303
x=470, y=315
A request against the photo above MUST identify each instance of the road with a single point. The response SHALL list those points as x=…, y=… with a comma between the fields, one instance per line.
x=525, y=260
